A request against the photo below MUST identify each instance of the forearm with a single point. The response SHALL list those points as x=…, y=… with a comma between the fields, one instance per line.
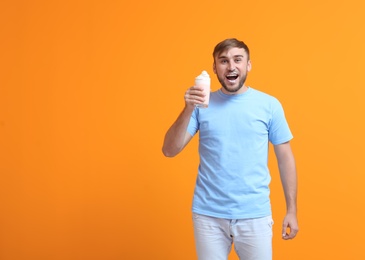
x=176, y=137
x=288, y=175
x=289, y=181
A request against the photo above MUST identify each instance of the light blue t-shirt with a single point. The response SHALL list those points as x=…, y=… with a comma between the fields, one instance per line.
x=234, y=133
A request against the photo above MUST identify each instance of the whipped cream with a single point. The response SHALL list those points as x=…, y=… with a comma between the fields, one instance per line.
x=203, y=78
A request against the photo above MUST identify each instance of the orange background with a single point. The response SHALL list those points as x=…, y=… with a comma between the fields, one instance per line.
x=89, y=88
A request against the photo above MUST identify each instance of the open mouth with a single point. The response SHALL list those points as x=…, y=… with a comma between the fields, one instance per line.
x=232, y=77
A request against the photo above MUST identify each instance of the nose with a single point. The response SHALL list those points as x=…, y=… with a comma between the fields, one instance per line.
x=231, y=66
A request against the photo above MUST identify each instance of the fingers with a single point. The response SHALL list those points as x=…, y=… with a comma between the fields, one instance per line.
x=289, y=231
x=284, y=230
x=194, y=96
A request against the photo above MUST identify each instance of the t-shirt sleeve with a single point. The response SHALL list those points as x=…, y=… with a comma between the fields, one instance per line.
x=279, y=131
x=193, y=126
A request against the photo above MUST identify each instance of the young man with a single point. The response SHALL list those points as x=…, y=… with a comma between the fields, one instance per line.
x=231, y=200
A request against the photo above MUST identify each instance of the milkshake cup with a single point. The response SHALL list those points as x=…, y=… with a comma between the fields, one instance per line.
x=203, y=80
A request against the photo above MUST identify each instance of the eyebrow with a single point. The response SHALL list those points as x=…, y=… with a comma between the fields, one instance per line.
x=235, y=56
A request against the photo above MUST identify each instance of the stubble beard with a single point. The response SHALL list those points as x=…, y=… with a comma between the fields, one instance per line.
x=233, y=90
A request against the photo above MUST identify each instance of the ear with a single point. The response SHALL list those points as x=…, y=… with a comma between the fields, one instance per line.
x=249, y=65
x=214, y=68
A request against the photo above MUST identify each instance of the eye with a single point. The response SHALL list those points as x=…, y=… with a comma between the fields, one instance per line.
x=238, y=60
x=224, y=61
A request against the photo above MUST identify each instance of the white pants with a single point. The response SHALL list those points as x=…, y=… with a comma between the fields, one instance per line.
x=214, y=237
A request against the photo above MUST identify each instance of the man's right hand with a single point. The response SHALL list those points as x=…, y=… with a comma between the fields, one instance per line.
x=194, y=96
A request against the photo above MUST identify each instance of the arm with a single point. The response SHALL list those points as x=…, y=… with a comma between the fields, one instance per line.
x=177, y=136
x=288, y=175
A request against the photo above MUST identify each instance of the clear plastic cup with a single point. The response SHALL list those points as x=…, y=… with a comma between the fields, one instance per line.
x=203, y=80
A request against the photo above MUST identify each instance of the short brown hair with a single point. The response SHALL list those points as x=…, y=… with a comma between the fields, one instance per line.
x=228, y=44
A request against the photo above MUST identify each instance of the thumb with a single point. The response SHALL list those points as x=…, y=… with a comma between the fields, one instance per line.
x=284, y=229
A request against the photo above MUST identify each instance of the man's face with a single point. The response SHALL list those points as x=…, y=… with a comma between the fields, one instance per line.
x=231, y=67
